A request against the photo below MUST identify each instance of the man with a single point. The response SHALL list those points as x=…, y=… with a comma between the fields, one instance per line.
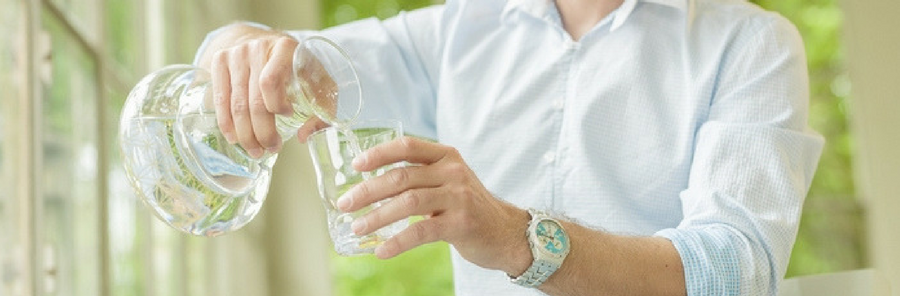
x=667, y=139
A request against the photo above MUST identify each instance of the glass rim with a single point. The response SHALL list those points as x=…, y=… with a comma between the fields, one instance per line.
x=386, y=123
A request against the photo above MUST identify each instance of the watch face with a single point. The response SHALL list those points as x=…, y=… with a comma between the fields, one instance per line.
x=551, y=237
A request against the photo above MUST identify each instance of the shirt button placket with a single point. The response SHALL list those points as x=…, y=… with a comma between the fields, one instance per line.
x=549, y=157
x=552, y=157
x=559, y=103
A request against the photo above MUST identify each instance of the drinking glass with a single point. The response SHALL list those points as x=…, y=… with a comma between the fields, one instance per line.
x=332, y=150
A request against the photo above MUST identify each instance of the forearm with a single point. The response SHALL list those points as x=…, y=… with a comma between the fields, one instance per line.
x=600, y=263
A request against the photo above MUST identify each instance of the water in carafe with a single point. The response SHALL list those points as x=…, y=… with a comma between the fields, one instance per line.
x=180, y=164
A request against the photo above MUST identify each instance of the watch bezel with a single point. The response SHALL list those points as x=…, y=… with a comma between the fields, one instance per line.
x=534, y=241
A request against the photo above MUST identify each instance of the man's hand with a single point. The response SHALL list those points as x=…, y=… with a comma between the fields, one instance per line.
x=251, y=69
x=249, y=82
x=458, y=209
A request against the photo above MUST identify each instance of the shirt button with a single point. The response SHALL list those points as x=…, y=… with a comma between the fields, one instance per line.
x=549, y=157
x=558, y=104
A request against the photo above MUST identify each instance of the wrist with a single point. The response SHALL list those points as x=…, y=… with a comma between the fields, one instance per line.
x=518, y=250
x=549, y=244
x=231, y=35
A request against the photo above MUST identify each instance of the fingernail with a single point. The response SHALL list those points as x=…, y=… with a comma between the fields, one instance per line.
x=381, y=253
x=343, y=203
x=359, y=160
x=359, y=225
x=274, y=149
x=255, y=152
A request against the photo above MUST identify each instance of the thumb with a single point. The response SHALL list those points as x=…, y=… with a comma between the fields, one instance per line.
x=309, y=127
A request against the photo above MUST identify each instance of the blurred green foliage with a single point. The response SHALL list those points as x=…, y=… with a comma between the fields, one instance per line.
x=422, y=271
x=341, y=11
x=832, y=229
x=830, y=237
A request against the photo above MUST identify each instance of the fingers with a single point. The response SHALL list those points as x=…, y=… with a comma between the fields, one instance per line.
x=263, y=121
x=417, y=234
x=390, y=184
x=249, y=82
x=404, y=149
x=221, y=81
x=425, y=201
x=240, y=101
x=276, y=74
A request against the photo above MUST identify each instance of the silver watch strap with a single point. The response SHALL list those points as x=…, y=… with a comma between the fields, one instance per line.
x=536, y=274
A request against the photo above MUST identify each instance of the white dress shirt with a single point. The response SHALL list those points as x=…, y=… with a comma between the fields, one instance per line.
x=675, y=118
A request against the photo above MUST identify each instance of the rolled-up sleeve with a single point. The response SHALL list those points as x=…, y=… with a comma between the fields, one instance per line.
x=754, y=159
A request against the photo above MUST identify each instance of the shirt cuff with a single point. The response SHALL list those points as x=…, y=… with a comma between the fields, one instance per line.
x=711, y=259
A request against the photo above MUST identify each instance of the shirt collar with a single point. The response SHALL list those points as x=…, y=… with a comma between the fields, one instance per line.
x=542, y=8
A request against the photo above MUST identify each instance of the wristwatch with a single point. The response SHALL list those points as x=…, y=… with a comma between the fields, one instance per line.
x=549, y=246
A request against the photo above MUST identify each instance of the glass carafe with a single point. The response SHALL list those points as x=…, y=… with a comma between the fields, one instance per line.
x=180, y=164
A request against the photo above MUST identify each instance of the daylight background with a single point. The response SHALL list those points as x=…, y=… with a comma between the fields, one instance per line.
x=70, y=225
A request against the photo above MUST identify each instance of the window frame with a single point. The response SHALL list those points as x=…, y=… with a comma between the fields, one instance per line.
x=36, y=268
